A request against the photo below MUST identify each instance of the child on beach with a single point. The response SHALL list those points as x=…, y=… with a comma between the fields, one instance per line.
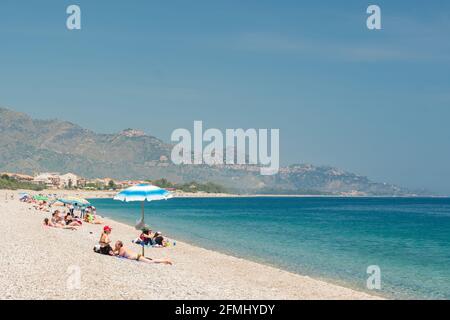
x=123, y=252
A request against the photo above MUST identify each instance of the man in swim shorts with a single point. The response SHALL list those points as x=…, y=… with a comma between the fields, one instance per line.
x=123, y=252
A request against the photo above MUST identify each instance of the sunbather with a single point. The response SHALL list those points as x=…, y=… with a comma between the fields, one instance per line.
x=70, y=221
x=90, y=218
x=57, y=219
x=123, y=252
x=48, y=223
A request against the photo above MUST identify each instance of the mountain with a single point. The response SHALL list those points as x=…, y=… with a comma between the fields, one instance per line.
x=30, y=146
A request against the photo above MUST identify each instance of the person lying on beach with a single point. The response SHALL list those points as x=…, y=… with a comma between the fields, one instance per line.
x=123, y=252
x=70, y=221
x=90, y=218
x=48, y=223
x=105, y=242
x=41, y=206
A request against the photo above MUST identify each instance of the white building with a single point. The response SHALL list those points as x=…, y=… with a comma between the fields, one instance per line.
x=55, y=180
x=49, y=179
x=68, y=180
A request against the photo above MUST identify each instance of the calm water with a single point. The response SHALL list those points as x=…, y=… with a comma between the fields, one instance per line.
x=334, y=239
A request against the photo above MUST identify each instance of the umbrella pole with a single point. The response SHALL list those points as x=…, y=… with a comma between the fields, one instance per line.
x=142, y=208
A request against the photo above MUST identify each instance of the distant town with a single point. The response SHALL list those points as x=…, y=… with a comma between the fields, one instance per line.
x=57, y=181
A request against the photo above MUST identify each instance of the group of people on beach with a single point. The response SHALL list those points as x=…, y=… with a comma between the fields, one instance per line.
x=104, y=247
x=75, y=216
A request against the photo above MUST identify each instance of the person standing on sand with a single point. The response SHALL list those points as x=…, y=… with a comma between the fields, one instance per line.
x=71, y=209
x=105, y=242
x=123, y=252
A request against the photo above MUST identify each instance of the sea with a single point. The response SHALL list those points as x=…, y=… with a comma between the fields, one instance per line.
x=403, y=242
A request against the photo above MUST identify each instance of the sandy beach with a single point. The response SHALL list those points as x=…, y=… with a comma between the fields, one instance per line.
x=40, y=263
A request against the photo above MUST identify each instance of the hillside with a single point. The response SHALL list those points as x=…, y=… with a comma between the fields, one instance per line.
x=30, y=146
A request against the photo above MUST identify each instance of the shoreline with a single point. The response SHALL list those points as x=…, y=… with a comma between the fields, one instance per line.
x=88, y=194
x=261, y=263
x=212, y=274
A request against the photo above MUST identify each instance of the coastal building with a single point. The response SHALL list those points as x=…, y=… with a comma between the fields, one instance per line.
x=54, y=180
x=68, y=180
x=49, y=179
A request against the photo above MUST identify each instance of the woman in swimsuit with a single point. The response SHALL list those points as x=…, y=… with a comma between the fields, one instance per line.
x=48, y=223
x=123, y=252
x=70, y=221
x=105, y=242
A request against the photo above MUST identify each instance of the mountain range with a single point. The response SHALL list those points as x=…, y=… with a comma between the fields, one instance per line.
x=31, y=146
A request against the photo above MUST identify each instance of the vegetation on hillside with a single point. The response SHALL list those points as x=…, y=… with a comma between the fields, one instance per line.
x=208, y=187
x=102, y=156
x=9, y=183
x=99, y=186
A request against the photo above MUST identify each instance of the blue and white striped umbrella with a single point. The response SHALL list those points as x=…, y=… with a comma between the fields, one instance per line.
x=143, y=192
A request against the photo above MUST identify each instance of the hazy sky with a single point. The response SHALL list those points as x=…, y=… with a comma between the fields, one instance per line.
x=373, y=102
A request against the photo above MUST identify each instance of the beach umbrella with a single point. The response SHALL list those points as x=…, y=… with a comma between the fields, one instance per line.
x=40, y=198
x=58, y=203
x=142, y=193
x=75, y=201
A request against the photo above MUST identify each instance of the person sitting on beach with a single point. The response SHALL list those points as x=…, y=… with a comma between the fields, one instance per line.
x=146, y=237
x=105, y=242
x=123, y=252
x=91, y=218
x=48, y=223
x=57, y=219
x=158, y=239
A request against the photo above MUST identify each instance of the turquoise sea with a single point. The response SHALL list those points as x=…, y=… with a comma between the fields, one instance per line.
x=334, y=239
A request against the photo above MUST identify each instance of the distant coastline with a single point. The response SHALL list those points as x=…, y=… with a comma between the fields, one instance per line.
x=88, y=194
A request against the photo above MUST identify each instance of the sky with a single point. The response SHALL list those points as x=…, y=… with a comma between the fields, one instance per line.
x=373, y=102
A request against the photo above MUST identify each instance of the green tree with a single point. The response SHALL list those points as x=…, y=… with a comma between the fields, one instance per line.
x=112, y=185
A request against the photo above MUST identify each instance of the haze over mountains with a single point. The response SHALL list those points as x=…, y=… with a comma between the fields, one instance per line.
x=30, y=146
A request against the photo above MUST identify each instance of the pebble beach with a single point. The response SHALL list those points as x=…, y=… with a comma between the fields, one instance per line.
x=48, y=263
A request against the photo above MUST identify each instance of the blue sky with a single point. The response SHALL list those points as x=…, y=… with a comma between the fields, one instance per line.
x=373, y=102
